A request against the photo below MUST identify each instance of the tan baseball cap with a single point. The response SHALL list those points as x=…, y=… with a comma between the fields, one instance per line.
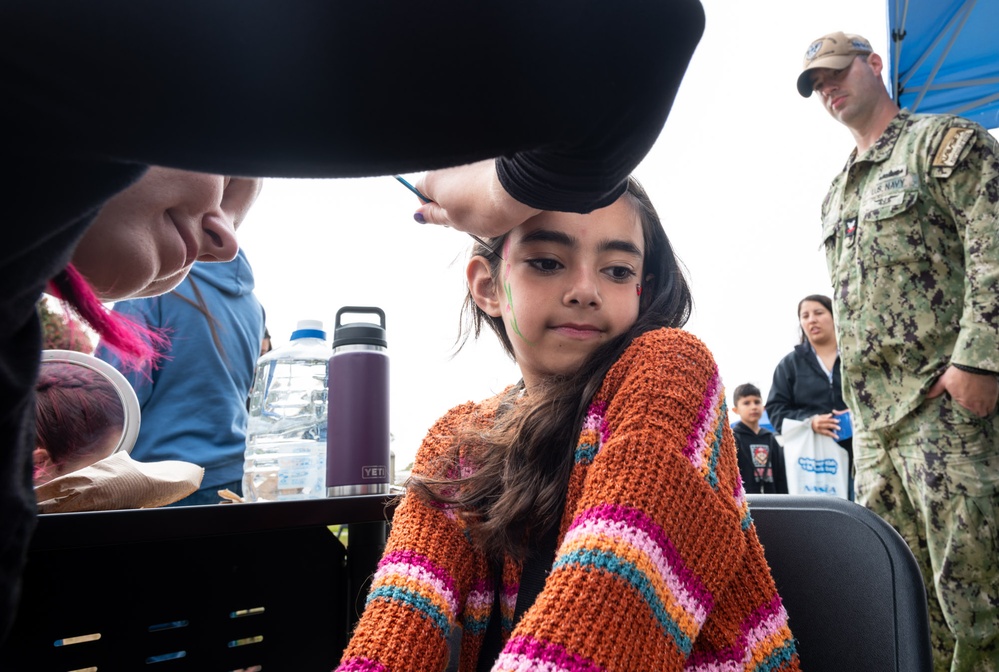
x=836, y=51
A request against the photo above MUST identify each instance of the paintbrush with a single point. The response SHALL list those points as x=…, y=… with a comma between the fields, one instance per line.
x=425, y=199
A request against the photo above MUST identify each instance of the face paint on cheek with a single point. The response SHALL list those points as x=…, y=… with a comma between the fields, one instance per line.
x=509, y=309
x=509, y=292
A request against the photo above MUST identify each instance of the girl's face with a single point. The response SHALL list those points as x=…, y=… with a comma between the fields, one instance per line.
x=567, y=284
x=817, y=322
x=145, y=239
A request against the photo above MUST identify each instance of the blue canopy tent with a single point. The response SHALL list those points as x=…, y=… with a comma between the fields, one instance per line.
x=944, y=57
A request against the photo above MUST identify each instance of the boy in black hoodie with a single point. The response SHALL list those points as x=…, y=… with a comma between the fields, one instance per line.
x=761, y=460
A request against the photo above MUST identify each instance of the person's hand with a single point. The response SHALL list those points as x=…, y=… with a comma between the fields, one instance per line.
x=826, y=425
x=471, y=199
x=976, y=392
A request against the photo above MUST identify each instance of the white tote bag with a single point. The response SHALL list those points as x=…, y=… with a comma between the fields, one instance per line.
x=816, y=464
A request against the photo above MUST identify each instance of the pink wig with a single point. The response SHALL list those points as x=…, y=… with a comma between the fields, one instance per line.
x=135, y=344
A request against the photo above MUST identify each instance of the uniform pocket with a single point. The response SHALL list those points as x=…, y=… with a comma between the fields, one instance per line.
x=890, y=229
x=831, y=231
x=829, y=227
x=967, y=435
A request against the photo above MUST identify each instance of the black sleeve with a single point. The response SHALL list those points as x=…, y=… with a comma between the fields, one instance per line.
x=781, y=401
x=779, y=468
x=571, y=94
x=746, y=467
x=837, y=390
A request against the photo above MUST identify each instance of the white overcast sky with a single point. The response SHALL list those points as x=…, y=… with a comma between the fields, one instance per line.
x=738, y=176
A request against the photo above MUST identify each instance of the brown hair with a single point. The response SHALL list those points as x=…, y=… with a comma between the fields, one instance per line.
x=521, y=464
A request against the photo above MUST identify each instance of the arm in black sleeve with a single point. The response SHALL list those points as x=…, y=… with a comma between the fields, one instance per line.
x=781, y=401
x=779, y=468
x=570, y=95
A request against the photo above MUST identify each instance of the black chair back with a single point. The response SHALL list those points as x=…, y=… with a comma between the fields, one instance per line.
x=852, y=589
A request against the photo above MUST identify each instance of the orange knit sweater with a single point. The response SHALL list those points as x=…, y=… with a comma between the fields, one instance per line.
x=658, y=565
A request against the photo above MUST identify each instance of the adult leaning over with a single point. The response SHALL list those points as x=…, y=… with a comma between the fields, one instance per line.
x=95, y=92
x=806, y=383
x=909, y=227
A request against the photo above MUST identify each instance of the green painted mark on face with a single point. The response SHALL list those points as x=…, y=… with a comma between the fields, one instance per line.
x=509, y=293
x=513, y=316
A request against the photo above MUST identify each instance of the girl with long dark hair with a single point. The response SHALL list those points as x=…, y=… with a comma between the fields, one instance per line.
x=610, y=466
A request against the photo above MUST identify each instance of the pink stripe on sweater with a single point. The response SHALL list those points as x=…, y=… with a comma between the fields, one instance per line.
x=707, y=418
x=479, y=600
x=764, y=622
x=761, y=625
x=417, y=573
x=596, y=420
x=521, y=663
x=361, y=665
x=638, y=539
x=739, y=494
x=422, y=561
x=639, y=520
x=526, y=653
x=719, y=666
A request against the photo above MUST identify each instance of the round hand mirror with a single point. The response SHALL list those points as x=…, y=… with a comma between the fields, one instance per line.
x=96, y=383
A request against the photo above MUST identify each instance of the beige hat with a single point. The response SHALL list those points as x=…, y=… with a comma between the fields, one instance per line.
x=836, y=51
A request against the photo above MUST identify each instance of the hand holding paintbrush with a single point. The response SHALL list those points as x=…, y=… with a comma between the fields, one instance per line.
x=469, y=198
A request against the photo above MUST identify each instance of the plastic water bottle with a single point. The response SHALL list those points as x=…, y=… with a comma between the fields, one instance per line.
x=286, y=434
x=358, y=457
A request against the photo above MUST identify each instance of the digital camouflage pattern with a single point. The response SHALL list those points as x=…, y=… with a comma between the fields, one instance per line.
x=911, y=231
x=935, y=477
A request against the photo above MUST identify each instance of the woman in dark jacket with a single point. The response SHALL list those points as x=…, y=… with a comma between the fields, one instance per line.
x=807, y=384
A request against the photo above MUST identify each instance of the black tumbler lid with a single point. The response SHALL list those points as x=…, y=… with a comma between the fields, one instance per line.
x=359, y=333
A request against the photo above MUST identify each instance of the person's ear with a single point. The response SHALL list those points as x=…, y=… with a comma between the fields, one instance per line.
x=44, y=468
x=42, y=458
x=482, y=287
x=877, y=65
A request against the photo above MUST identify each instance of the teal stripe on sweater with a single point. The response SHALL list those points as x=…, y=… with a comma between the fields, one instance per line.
x=413, y=600
x=475, y=626
x=585, y=453
x=777, y=659
x=609, y=562
x=716, y=452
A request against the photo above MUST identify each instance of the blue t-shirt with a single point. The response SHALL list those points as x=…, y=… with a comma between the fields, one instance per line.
x=194, y=404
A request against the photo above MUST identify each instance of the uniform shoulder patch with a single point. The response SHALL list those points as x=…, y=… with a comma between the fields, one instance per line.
x=950, y=149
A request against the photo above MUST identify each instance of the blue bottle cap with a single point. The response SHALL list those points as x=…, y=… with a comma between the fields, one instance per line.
x=309, y=329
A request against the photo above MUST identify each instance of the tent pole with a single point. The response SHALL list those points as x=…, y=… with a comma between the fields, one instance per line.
x=966, y=11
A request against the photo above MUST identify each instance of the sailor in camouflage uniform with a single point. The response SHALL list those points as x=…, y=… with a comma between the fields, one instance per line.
x=911, y=232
